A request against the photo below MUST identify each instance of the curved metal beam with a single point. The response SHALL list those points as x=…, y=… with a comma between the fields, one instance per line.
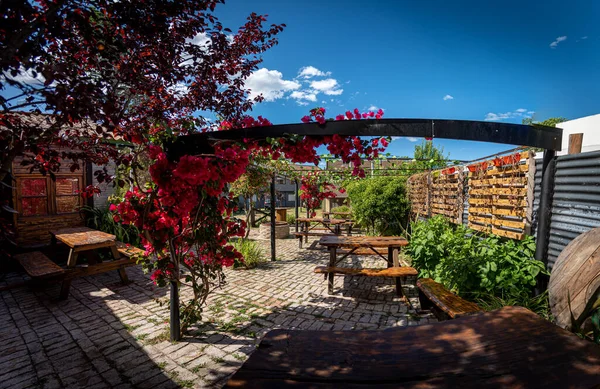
x=513, y=134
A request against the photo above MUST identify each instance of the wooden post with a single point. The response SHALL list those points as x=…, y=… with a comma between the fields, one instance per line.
x=575, y=142
x=273, y=218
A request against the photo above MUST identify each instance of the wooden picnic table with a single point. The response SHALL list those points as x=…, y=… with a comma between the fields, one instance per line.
x=391, y=243
x=84, y=241
x=508, y=348
x=327, y=223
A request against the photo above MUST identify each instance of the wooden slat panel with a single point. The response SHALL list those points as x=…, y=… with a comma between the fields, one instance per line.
x=514, y=191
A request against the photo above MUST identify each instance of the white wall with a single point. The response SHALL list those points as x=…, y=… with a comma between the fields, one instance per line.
x=589, y=126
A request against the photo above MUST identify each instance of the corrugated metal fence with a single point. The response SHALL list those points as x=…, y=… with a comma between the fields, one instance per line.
x=576, y=199
x=575, y=203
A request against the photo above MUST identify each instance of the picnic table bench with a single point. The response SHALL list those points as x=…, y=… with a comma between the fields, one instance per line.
x=445, y=304
x=39, y=266
x=85, y=241
x=307, y=230
x=508, y=348
x=368, y=243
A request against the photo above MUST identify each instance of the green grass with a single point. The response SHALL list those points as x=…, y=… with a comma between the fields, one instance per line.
x=130, y=328
x=165, y=335
x=196, y=369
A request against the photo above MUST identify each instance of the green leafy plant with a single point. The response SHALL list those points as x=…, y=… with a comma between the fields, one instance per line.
x=102, y=219
x=380, y=204
x=251, y=251
x=538, y=304
x=471, y=265
x=291, y=218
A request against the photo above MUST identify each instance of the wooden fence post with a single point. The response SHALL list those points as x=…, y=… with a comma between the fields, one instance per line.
x=575, y=142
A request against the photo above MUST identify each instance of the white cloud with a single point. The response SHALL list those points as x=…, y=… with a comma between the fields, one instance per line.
x=304, y=95
x=584, y=37
x=201, y=39
x=25, y=77
x=557, y=41
x=373, y=108
x=448, y=97
x=516, y=114
x=270, y=84
x=311, y=71
x=411, y=139
x=328, y=86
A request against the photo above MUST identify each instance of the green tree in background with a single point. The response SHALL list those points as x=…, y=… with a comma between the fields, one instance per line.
x=380, y=204
x=550, y=122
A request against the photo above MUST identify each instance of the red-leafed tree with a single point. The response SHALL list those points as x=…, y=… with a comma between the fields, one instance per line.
x=144, y=72
x=132, y=70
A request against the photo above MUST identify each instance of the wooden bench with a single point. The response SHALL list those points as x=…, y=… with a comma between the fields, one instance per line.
x=301, y=235
x=39, y=266
x=446, y=304
x=129, y=251
x=396, y=272
x=401, y=271
x=366, y=251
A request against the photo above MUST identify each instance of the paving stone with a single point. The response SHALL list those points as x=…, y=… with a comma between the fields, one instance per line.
x=84, y=339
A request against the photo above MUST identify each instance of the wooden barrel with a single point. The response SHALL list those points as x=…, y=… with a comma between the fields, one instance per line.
x=575, y=278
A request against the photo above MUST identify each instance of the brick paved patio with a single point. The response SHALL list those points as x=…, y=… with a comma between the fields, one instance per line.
x=107, y=335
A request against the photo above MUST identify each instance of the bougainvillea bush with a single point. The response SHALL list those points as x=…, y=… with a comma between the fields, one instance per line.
x=186, y=214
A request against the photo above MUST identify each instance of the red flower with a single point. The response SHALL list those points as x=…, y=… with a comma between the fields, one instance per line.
x=384, y=142
x=378, y=116
x=305, y=119
x=428, y=138
x=320, y=119
x=340, y=117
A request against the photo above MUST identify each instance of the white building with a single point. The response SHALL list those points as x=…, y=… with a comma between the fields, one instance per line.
x=589, y=126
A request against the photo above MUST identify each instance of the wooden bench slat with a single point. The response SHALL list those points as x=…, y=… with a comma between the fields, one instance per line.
x=365, y=251
x=451, y=304
x=402, y=271
x=37, y=265
x=128, y=251
x=313, y=234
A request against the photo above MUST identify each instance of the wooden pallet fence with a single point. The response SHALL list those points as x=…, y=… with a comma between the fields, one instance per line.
x=418, y=193
x=447, y=196
x=501, y=195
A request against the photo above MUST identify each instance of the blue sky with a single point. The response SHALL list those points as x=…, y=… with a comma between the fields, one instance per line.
x=498, y=60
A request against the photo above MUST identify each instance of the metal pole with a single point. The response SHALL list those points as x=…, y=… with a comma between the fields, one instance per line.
x=545, y=212
x=174, y=310
x=273, y=218
x=297, y=203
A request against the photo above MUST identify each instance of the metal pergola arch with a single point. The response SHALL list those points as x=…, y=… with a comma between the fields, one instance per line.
x=547, y=138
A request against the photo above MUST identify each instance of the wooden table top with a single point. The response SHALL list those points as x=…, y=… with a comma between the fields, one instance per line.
x=321, y=220
x=84, y=237
x=508, y=348
x=363, y=241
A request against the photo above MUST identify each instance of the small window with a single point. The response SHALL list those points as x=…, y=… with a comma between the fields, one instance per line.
x=34, y=196
x=67, y=196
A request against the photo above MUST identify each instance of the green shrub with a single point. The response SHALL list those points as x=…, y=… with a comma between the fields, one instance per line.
x=251, y=251
x=379, y=204
x=473, y=266
x=290, y=218
x=538, y=304
x=102, y=219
